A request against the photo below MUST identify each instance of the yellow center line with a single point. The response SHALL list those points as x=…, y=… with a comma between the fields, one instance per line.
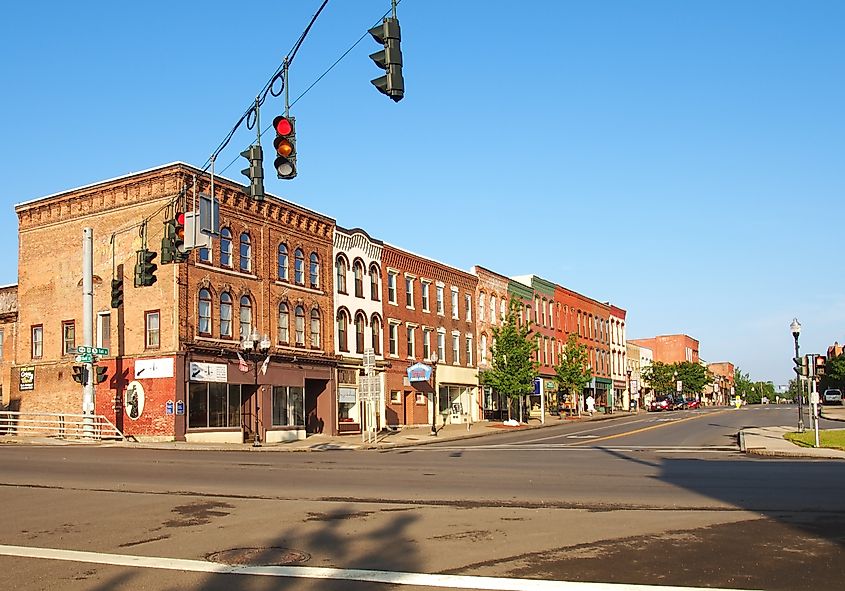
x=641, y=430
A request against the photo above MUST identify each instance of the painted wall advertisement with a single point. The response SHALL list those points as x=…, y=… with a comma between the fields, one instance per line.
x=27, y=378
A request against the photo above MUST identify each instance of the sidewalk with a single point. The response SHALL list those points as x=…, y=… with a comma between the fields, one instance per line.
x=769, y=441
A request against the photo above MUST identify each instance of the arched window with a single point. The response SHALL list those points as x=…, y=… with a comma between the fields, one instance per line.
x=503, y=308
x=283, y=262
x=204, y=314
x=226, y=247
x=375, y=283
x=340, y=272
x=342, y=323
x=481, y=306
x=492, y=309
x=315, y=329
x=246, y=317
x=483, y=359
x=359, y=332
x=314, y=271
x=300, y=325
x=246, y=253
x=225, y=314
x=299, y=266
x=375, y=329
x=284, y=323
x=358, y=272
x=205, y=254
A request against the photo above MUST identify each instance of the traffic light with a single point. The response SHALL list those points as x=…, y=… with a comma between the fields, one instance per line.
x=821, y=362
x=389, y=59
x=145, y=268
x=179, y=252
x=80, y=374
x=101, y=373
x=285, y=144
x=167, y=248
x=255, y=171
x=117, y=293
x=802, y=367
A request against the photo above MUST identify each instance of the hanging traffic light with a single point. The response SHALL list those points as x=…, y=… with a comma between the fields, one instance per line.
x=117, y=293
x=167, y=247
x=179, y=252
x=801, y=366
x=285, y=144
x=255, y=171
x=145, y=268
x=389, y=59
x=80, y=374
x=102, y=376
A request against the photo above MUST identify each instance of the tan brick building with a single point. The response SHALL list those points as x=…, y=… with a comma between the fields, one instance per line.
x=8, y=336
x=492, y=297
x=177, y=365
x=428, y=309
x=673, y=348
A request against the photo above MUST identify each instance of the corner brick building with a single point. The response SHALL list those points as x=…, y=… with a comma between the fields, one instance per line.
x=177, y=367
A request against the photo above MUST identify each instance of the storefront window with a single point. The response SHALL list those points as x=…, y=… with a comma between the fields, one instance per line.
x=347, y=405
x=214, y=405
x=288, y=408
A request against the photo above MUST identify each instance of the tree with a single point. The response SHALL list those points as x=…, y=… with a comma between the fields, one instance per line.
x=693, y=376
x=742, y=384
x=660, y=377
x=573, y=373
x=513, y=367
x=834, y=374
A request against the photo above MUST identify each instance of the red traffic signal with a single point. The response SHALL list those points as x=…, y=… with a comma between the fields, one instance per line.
x=285, y=145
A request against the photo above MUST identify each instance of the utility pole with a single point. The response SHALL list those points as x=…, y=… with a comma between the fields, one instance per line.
x=88, y=329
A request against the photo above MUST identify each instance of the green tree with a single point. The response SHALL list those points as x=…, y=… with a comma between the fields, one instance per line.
x=660, y=376
x=693, y=376
x=742, y=384
x=573, y=373
x=513, y=368
x=834, y=374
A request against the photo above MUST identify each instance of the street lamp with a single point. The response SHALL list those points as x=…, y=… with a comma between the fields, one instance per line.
x=630, y=395
x=259, y=345
x=433, y=394
x=795, y=327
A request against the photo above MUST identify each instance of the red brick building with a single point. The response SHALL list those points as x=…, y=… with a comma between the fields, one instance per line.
x=492, y=297
x=673, y=348
x=429, y=309
x=178, y=366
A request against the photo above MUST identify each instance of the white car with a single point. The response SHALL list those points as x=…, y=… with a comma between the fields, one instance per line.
x=832, y=396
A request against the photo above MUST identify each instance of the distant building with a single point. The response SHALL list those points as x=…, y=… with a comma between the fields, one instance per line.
x=722, y=387
x=8, y=336
x=835, y=350
x=674, y=348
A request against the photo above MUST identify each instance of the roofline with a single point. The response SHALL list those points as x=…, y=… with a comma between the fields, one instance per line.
x=405, y=250
x=475, y=268
x=8, y=286
x=162, y=167
x=356, y=230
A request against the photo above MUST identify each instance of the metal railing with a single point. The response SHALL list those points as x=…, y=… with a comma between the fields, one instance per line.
x=61, y=425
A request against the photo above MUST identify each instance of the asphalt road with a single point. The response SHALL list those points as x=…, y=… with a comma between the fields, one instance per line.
x=652, y=499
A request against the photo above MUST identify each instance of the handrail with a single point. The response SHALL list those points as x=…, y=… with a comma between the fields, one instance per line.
x=62, y=425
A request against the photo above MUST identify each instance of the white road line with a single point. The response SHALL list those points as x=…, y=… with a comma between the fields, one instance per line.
x=569, y=447
x=340, y=574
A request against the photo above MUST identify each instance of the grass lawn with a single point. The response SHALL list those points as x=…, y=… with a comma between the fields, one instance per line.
x=834, y=439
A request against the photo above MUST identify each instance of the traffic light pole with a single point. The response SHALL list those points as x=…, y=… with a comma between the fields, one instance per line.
x=88, y=329
x=800, y=393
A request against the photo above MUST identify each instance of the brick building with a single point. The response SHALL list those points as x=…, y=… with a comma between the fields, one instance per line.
x=178, y=363
x=8, y=336
x=722, y=387
x=618, y=355
x=673, y=348
x=428, y=310
x=492, y=296
x=543, y=310
x=359, y=321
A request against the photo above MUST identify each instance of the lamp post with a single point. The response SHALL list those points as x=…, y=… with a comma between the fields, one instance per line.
x=433, y=394
x=795, y=327
x=630, y=395
x=259, y=345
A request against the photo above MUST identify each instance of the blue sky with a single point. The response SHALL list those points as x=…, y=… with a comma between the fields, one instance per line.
x=683, y=160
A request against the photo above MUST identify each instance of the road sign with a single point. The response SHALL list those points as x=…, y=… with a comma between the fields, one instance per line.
x=369, y=358
x=100, y=351
x=679, y=385
x=82, y=349
x=85, y=358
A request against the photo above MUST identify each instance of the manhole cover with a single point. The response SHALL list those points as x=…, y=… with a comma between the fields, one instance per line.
x=268, y=556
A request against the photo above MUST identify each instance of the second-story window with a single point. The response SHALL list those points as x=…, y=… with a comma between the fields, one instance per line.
x=340, y=274
x=300, y=325
x=69, y=337
x=411, y=333
x=315, y=329
x=440, y=303
x=205, y=254
x=375, y=282
x=391, y=287
x=393, y=338
x=342, y=323
x=246, y=253
x=282, y=266
x=468, y=302
x=493, y=309
x=226, y=247
x=204, y=312
x=314, y=271
x=299, y=266
x=225, y=314
x=358, y=272
x=359, y=333
x=441, y=347
x=375, y=329
x=409, y=291
x=246, y=318
x=426, y=287
x=284, y=323
x=455, y=311
x=37, y=341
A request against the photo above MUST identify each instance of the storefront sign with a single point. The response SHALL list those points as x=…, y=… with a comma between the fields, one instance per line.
x=134, y=400
x=27, y=378
x=419, y=372
x=346, y=395
x=208, y=372
x=153, y=368
x=635, y=387
x=168, y=407
x=180, y=407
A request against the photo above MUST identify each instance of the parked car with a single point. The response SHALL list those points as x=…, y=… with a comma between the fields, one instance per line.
x=693, y=404
x=662, y=403
x=832, y=396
